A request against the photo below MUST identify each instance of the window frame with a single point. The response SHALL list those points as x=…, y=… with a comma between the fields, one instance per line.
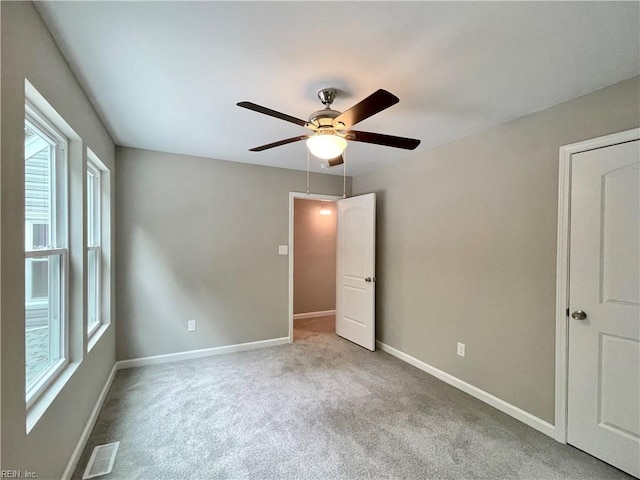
x=59, y=244
x=93, y=223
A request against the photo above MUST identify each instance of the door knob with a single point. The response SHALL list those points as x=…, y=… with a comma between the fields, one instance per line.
x=579, y=315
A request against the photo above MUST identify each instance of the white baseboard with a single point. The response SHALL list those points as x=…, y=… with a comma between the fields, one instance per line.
x=86, y=433
x=324, y=313
x=205, y=352
x=505, y=407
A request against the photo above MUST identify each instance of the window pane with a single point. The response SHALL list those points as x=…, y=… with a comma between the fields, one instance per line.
x=93, y=205
x=90, y=209
x=39, y=159
x=40, y=235
x=93, y=317
x=43, y=316
x=39, y=279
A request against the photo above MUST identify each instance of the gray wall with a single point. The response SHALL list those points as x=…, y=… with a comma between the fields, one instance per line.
x=198, y=239
x=466, y=247
x=314, y=267
x=29, y=52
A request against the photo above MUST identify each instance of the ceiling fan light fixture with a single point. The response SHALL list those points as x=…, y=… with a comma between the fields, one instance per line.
x=326, y=145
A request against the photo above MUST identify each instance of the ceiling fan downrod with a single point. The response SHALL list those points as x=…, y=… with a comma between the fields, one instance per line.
x=327, y=96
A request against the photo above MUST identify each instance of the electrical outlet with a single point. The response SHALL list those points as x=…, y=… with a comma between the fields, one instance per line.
x=191, y=326
x=461, y=349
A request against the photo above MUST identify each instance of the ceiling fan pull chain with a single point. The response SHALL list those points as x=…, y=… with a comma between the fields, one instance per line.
x=307, y=171
x=344, y=174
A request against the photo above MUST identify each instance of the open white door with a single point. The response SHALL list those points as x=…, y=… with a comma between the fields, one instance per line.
x=603, y=415
x=355, y=270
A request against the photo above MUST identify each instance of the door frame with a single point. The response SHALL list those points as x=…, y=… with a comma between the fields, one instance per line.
x=562, y=268
x=292, y=197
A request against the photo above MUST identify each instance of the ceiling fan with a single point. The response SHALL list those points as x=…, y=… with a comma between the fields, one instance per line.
x=332, y=128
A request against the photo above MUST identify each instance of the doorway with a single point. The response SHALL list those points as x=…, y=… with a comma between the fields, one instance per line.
x=311, y=258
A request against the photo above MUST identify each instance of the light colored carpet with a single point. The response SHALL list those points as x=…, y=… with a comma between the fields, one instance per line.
x=321, y=408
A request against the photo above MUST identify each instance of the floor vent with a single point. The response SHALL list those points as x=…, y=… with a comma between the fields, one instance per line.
x=101, y=461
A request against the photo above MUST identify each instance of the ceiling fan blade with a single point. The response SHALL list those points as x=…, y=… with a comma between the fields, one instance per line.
x=380, y=139
x=334, y=162
x=279, y=143
x=374, y=103
x=273, y=113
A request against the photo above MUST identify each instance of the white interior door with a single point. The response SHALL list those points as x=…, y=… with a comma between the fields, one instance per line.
x=355, y=270
x=603, y=416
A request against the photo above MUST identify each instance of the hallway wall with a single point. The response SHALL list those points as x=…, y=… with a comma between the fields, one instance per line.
x=314, y=268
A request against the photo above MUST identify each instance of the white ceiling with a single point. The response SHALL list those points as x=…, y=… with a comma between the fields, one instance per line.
x=167, y=75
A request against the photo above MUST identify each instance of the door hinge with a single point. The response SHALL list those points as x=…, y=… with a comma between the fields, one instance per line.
x=567, y=312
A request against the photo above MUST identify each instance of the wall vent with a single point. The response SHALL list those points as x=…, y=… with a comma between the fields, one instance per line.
x=101, y=461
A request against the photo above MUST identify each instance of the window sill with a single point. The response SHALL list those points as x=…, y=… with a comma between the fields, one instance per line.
x=95, y=337
x=40, y=406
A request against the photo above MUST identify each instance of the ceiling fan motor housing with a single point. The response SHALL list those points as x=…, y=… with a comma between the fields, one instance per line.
x=324, y=117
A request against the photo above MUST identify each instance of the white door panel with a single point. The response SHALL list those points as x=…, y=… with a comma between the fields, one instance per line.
x=355, y=296
x=603, y=416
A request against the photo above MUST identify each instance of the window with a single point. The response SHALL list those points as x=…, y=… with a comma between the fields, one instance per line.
x=46, y=252
x=94, y=244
